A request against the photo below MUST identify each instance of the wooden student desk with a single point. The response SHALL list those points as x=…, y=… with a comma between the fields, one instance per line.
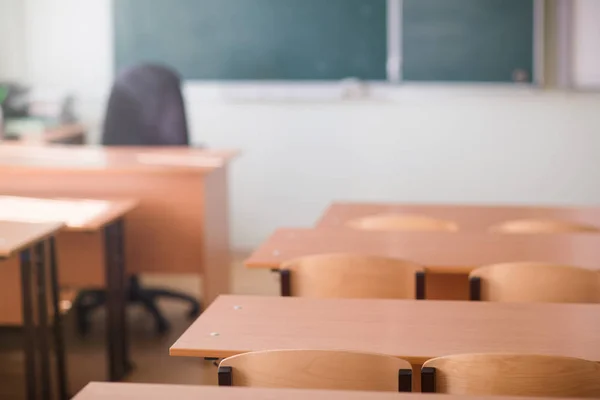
x=448, y=257
x=91, y=225
x=181, y=224
x=129, y=391
x=469, y=218
x=414, y=330
x=25, y=258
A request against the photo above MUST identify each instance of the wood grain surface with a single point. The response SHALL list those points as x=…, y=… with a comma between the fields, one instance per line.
x=410, y=329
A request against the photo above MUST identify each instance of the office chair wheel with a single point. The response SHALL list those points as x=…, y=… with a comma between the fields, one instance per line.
x=84, y=304
x=194, y=311
x=83, y=326
x=162, y=326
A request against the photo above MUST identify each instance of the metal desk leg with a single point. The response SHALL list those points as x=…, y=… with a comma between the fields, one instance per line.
x=28, y=324
x=38, y=375
x=120, y=251
x=118, y=360
x=42, y=330
x=59, y=342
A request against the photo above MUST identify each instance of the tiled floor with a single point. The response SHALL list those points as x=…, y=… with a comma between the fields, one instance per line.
x=86, y=359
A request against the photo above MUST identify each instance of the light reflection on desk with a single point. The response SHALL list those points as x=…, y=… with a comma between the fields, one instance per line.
x=74, y=213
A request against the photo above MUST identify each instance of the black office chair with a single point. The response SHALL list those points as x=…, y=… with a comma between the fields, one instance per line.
x=145, y=108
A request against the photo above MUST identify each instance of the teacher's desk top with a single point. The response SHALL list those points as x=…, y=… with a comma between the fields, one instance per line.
x=77, y=158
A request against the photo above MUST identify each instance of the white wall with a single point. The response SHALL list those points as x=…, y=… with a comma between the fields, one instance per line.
x=69, y=47
x=12, y=40
x=434, y=145
x=586, y=43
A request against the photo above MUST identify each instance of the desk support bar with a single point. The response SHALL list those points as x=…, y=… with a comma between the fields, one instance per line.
x=28, y=325
x=475, y=288
x=118, y=349
x=39, y=280
x=43, y=326
x=59, y=340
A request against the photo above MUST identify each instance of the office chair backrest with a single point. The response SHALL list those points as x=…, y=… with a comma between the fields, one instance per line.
x=537, y=282
x=402, y=222
x=537, y=226
x=512, y=375
x=146, y=108
x=317, y=369
x=353, y=276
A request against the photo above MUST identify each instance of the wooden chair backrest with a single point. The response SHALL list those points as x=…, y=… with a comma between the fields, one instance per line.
x=515, y=375
x=352, y=276
x=316, y=369
x=537, y=226
x=537, y=282
x=402, y=222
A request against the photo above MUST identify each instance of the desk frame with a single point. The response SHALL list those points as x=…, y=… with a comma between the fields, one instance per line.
x=34, y=288
x=109, y=230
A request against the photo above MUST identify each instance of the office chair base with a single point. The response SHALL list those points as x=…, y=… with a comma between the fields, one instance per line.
x=89, y=300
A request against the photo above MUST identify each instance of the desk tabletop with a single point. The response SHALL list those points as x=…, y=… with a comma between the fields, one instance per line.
x=17, y=236
x=77, y=214
x=440, y=252
x=415, y=330
x=470, y=218
x=76, y=158
x=127, y=391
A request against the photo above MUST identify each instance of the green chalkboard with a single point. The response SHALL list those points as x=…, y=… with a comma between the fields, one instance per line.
x=255, y=39
x=468, y=40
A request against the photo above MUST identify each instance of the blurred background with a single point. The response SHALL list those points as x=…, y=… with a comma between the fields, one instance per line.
x=404, y=101
x=304, y=144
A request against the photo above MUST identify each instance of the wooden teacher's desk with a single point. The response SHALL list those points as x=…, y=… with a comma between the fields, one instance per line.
x=128, y=391
x=89, y=249
x=469, y=218
x=415, y=330
x=181, y=223
x=447, y=257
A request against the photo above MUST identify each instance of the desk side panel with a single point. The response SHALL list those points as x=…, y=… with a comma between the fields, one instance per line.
x=81, y=259
x=10, y=292
x=216, y=252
